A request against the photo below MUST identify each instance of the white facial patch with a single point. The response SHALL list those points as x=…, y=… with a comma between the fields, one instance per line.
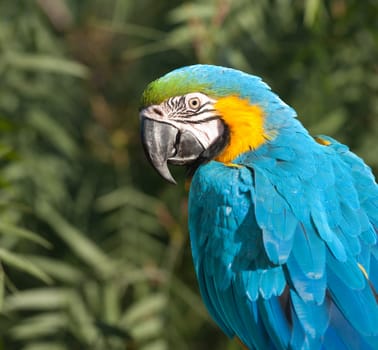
x=193, y=112
x=206, y=132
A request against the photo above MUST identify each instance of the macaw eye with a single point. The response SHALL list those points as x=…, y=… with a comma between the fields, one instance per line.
x=194, y=103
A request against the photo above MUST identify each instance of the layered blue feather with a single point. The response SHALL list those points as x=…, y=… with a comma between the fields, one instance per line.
x=281, y=247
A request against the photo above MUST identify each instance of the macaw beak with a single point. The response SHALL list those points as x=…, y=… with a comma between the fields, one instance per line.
x=164, y=143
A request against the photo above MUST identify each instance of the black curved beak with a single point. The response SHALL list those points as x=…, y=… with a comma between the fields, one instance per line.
x=164, y=143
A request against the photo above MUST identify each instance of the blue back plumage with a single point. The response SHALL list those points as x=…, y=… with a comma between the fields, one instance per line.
x=285, y=244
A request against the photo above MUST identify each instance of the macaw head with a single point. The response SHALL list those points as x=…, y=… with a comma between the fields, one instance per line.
x=199, y=113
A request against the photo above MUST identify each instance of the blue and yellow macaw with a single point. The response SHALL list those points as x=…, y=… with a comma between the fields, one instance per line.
x=283, y=226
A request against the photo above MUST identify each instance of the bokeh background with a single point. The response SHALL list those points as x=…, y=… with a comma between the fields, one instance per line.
x=93, y=244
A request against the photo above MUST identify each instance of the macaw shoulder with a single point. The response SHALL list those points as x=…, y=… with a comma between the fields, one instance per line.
x=297, y=157
x=221, y=177
x=321, y=185
x=309, y=164
x=298, y=161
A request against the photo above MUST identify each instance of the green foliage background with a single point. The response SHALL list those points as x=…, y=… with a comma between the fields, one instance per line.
x=93, y=245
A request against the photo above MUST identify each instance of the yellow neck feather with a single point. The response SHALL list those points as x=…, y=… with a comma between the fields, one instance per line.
x=246, y=125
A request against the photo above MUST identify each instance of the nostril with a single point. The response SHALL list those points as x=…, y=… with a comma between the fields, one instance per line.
x=157, y=111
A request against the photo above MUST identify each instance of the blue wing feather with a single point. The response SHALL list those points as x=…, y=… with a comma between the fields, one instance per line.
x=313, y=317
x=208, y=291
x=341, y=335
x=309, y=287
x=374, y=272
x=299, y=339
x=347, y=271
x=272, y=211
x=292, y=217
x=358, y=306
x=274, y=319
x=309, y=251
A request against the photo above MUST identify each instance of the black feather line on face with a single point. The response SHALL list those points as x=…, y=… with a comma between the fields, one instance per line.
x=188, y=121
x=211, y=152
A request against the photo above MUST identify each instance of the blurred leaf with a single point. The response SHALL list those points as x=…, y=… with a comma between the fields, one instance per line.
x=311, y=11
x=38, y=299
x=45, y=63
x=190, y=297
x=45, y=346
x=128, y=196
x=57, y=269
x=19, y=262
x=52, y=130
x=41, y=325
x=82, y=320
x=82, y=246
x=150, y=328
x=144, y=308
x=2, y=288
x=192, y=10
x=8, y=229
x=156, y=345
